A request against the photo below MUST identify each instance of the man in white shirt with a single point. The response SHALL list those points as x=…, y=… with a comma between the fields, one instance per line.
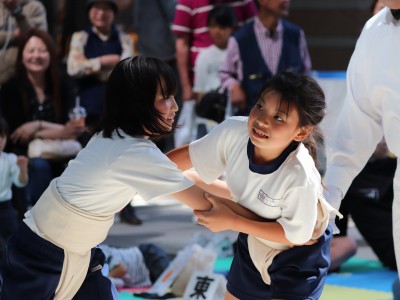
x=371, y=109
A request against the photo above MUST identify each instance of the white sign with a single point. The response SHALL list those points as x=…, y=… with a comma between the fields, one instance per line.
x=205, y=286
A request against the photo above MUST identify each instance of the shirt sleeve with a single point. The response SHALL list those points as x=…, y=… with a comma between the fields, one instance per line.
x=299, y=213
x=15, y=171
x=77, y=64
x=231, y=70
x=152, y=176
x=183, y=18
x=358, y=124
x=208, y=154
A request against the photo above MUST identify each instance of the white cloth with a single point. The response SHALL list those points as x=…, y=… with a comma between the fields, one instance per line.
x=71, y=229
x=288, y=195
x=371, y=108
x=206, y=69
x=108, y=173
x=9, y=174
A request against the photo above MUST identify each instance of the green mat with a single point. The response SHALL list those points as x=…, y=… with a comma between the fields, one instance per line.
x=358, y=279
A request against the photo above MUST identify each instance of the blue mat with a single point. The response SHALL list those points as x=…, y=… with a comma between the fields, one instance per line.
x=358, y=279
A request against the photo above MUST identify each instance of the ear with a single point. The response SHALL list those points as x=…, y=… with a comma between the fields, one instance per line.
x=303, y=133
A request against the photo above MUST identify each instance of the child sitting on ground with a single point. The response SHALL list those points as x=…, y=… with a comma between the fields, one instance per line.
x=13, y=170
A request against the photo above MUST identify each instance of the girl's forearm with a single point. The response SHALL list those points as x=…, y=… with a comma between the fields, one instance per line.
x=271, y=231
x=194, y=198
x=181, y=157
x=218, y=187
x=242, y=211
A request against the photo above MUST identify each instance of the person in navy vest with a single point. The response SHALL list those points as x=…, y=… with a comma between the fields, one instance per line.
x=259, y=50
x=93, y=54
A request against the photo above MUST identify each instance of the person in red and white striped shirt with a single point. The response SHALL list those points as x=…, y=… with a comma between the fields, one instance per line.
x=190, y=27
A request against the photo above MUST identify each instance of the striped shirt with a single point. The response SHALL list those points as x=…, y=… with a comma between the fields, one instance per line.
x=191, y=19
x=132, y=259
x=270, y=45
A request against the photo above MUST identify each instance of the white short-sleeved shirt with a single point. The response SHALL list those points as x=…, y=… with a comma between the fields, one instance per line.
x=288, y=195
x=9, y=174
x=108, y=173
x=207, y=69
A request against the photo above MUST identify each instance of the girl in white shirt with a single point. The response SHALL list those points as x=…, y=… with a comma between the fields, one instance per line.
x=271, y=172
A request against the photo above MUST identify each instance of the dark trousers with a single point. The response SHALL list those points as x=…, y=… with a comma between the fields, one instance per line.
x=32, y=269
x=369, y=201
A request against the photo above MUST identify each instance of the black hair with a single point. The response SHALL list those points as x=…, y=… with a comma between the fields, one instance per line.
x=3, y=127
x=130, y=93
x=222, y=15
x=305, y=94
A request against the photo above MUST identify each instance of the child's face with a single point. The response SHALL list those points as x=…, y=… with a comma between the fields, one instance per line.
x=271, y=127
x=167, y=107
x=220, y=35
x=3, y=142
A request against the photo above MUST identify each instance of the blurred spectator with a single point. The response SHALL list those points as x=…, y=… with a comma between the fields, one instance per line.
x=221, y=22
x=259, y=50
x=14, y=170
x=94, y=52
x=152, y=22
x=92, y=55
x=35, y=103
x=135, y=267
x=190, y=26
x=18, y=16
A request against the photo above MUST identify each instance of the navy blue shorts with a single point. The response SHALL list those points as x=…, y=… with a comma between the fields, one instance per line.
x=32, y=268
x=296, y=273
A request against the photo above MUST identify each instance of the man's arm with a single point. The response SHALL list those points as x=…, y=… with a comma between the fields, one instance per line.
x=182, y=58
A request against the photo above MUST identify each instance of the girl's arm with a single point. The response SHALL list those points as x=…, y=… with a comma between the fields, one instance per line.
x=181, y=157
x=221, y=217
x=194, y=197
x=218, y=187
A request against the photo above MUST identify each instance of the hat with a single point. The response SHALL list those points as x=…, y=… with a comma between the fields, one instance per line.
x=112, y=3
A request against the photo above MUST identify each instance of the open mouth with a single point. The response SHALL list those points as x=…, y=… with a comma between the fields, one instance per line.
x=259, y=134
x=170, y=120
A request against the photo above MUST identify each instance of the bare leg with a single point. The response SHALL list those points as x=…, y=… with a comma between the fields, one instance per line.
x=229, y=296
x=342, y=248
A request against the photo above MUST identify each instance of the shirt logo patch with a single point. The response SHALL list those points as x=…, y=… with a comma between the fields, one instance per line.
x=263, y=197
